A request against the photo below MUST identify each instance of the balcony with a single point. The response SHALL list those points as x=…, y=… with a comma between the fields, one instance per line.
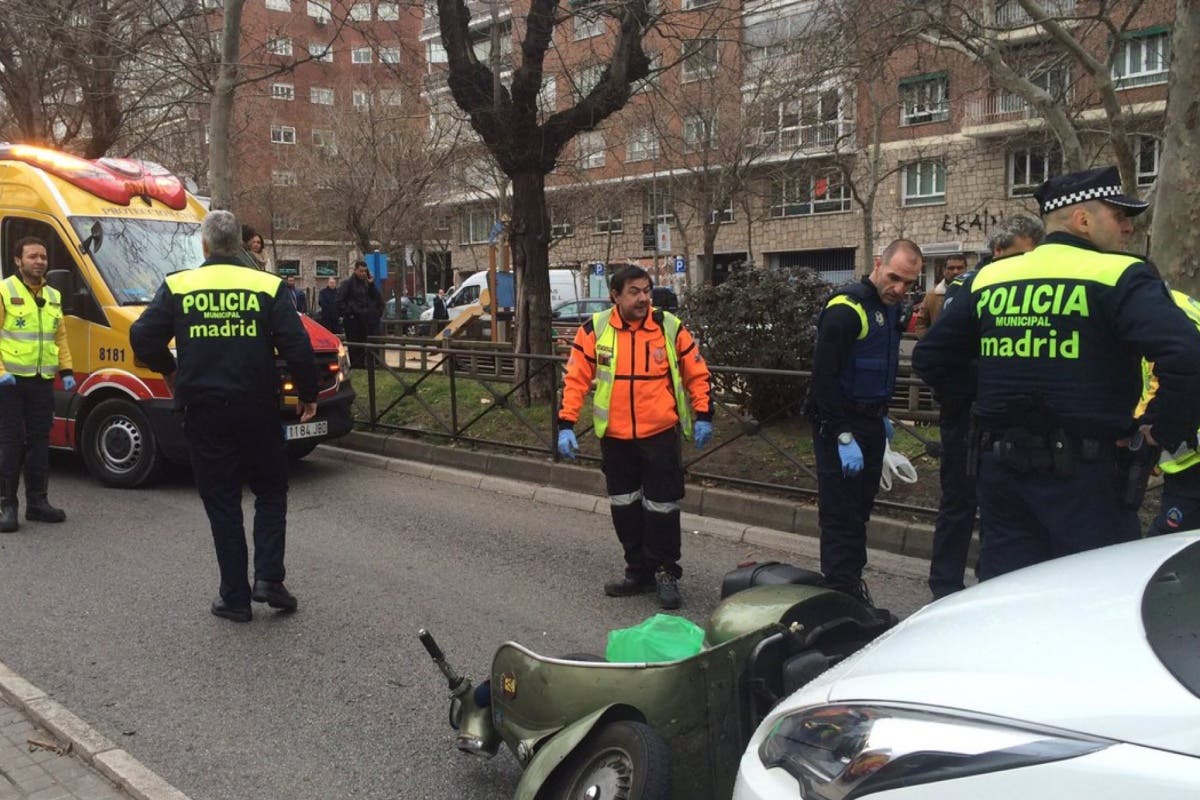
x=804, y=140
x=1010, y=15
x=480, y=11
x=999, y=114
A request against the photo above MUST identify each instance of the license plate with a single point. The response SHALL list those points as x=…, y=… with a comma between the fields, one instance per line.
x=306, y=430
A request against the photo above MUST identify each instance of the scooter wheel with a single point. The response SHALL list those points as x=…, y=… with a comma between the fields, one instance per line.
x=622, y=760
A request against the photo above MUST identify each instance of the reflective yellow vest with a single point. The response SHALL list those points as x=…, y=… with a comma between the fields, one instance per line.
x=1186, y=456
x=27, y=346
x=606, y=337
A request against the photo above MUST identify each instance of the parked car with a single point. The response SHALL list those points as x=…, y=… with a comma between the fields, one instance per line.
x=1075, y=679
x=664, y=297
x=578, y=311
x=411, y=310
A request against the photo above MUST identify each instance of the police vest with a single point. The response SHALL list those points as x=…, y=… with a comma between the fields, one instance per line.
x=222, y=301
x=27, y=346
x=868, y=371
x=1186, y=456
x=606, y=337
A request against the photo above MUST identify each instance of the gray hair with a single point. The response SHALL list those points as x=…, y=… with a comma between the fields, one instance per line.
x=1005, y=234
x=221, y=233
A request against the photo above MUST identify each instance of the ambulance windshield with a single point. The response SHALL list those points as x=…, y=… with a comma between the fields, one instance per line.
x=134, y=255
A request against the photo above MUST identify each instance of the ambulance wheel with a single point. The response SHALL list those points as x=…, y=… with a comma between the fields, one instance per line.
x=621, y=761
x=298, y=450
x=118, y=444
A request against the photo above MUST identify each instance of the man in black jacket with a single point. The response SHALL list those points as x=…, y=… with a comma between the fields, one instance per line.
x=327, y=303
x=361, y=307
x=228, y=321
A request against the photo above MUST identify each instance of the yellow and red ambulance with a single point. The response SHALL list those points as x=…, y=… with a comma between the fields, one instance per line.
x=113, y=229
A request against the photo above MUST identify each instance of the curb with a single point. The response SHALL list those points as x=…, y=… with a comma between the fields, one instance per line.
x=720, y=507
x=93, y=748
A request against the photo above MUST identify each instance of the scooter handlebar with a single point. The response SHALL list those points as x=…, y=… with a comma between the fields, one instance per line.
x=431, y=646
x=455, y=681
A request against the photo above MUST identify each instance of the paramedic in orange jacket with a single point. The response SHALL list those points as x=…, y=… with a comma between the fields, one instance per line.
x=650, y=382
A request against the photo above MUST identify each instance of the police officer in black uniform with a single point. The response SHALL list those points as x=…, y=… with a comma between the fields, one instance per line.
x=228, y=321
x=1059, y=333
x=854, y=374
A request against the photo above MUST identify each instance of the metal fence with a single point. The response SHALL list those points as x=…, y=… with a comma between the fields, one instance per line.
x=472, y=394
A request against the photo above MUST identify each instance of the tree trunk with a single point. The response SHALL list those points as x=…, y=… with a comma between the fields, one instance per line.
x=220, y=179
x=868, y=223
x=704, y=275
x=529, y=238
x=1175, y=230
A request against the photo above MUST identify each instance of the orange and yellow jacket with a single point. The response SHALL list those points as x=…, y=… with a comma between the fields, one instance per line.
x=643, y=399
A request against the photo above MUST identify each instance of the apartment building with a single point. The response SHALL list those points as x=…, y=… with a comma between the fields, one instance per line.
x=937, y=145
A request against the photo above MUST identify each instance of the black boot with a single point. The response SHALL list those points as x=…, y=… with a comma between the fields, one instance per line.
x=37, y=507
x=8, y=504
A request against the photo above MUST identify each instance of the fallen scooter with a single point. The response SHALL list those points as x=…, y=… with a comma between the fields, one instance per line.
x=585, y=729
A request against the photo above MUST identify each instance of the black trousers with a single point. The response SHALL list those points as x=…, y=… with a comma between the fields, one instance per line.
x=358, y=328
x=1027, y=518
x=1180, y=508
x=231, y=445
x=26, y=414
x=844, y=503
x=956, y=509
x=644, y=478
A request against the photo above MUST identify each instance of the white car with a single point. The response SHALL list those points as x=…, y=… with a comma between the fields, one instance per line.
x=1076, y=679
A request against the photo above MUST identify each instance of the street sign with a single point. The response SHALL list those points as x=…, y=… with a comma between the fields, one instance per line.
x=648, y=236
x=598, y=268
x=664, y=237
x=680, y=265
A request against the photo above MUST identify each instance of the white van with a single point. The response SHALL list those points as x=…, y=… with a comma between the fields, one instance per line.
x=563, y=286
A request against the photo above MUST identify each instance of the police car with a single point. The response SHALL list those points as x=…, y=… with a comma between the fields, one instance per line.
x=1076, y=679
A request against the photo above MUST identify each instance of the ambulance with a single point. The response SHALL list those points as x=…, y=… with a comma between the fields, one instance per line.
x=114, y=228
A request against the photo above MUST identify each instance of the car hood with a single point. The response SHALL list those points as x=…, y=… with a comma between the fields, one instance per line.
x=1059, y=644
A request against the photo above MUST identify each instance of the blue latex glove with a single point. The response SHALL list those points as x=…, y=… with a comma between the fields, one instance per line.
x=852, y=458
x=889, y=429
x=568, y=445
x=68, y=383
x=8, y=379
x=702, y=433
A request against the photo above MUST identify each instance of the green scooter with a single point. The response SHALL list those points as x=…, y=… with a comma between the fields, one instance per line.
x=585, y=729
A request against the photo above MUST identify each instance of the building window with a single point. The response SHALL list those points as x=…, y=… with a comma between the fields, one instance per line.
x=651, y=80
x=560, y=224
x=319, y=96
x=283, y=91
x=441, y=222
x=477, y=225
x=325, y=268
x=1143, y=57
x=389, y=55
x=285, y=222
x=361, y=98
x=283, y=177
x=657, y=205
x=319, y=11
x=435, y=52
x=700, y=58
x=360, y=12
x=547, y=99
x=924, y=183
x=587, y=21
x=283, y=134
x=324, y=141
x=1149, y=156
x=279, y=5
x=321, y=52
x=643, y=145
x=699, y=133
x=588, y=78
x=390, y=97
x=608, y=222
x=805, y=195
x=1030, y=167
x=279, y=46
x=925, y=98
x=690, y=4
x=723, y=213
x=590, y=146
x=360, y=55
x=814, y=119
x=387, y=12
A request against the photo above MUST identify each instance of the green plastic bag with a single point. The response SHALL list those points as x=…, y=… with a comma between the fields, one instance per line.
x=662, y=637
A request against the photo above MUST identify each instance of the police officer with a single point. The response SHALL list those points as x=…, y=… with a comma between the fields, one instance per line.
x=1059, y=332
x=650, y=378
x=33, y=347
x=957, y=507
x=228, y=321
x=854, y=375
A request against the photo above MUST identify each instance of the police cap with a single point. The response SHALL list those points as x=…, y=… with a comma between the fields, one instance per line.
x=1102, y=183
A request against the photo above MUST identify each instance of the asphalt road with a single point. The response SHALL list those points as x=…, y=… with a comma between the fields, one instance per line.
x=108, y=613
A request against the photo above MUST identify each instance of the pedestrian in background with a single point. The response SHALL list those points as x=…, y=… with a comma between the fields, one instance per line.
x=228, y=321
x=1059, y=333
x=931, y=305
x=33, y=349
x=299, y=300
x=957, y=506
x=259, y=258
x=361, y=307
x=439, y=305
x=854, y=375
x=650, y=381
x=327, y=303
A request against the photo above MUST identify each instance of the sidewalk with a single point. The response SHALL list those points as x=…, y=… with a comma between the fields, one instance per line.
x=47, y=753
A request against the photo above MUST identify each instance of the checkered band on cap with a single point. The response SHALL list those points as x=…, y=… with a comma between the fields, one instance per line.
x=1094, y=193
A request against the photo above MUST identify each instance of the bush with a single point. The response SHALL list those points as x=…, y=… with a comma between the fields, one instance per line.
x=760, y=318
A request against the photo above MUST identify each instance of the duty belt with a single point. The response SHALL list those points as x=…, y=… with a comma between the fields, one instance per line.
x=869, y=409
x=1079, y=448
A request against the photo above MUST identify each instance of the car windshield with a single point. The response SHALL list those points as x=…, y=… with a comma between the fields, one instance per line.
x=1171, y=616
x=134, y=255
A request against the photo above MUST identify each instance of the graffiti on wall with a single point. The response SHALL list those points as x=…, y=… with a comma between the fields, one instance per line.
x=981, y=221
